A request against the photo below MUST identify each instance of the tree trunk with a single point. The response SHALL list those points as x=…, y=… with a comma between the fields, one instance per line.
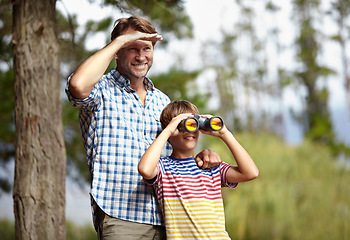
x=40, y=165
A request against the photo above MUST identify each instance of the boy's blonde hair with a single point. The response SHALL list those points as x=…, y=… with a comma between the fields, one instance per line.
x=175, y=108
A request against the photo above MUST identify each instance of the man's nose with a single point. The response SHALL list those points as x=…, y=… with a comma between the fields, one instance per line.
x=140, y=55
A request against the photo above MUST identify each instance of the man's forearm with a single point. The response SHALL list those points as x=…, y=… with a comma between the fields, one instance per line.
x=91, y=70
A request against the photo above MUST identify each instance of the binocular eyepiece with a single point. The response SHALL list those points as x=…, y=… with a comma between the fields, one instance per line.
x=192, y=124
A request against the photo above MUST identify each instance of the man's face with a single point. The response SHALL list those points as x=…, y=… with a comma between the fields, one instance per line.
x=135, y=59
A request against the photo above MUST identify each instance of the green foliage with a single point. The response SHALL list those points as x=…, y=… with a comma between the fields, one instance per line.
x=78, y=232
x=73, y=49
x=301, y=192
x=179, y=84
x=76, y=159
x=341, y=10
x=317, y=121
x=5, y=31
x=272, y=7
x=7, y=100
x=74, y=231
x=169, y=15
x=7, y=229
x=7, y=131
x=73, y=52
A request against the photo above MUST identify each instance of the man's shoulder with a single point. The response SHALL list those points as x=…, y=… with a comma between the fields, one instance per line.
x=150, y=85
x=111, y=75
x=113, y=79
x=161, y=95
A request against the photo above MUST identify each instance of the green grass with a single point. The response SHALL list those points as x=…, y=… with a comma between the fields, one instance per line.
x=74, y=231
x=301, y=193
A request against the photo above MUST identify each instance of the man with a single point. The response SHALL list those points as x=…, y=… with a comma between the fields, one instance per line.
x=119, y=118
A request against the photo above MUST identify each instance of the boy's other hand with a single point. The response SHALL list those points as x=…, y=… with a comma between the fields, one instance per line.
x=172, y=126
x=207, y=159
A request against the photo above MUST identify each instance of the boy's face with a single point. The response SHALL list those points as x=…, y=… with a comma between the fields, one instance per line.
x=184, y=143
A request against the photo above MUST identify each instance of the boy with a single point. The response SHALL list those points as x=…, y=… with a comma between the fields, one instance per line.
x=190, y=197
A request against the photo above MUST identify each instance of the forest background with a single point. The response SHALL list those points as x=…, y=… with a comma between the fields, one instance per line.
x=277, y=73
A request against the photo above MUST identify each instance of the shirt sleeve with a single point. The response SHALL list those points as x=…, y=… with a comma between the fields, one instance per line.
x=157, y=179
x=91, y=102
x=224, y=167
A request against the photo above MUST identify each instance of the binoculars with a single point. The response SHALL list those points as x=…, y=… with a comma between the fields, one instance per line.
x=192, y=124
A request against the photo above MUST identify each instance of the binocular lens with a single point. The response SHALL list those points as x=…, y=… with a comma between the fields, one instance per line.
x=216, y=123
x=191, y=125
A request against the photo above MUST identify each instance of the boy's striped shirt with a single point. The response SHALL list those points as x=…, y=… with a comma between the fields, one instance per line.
x=191, y=199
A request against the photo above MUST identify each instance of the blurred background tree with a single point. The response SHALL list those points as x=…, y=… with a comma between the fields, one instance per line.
x=316, y=117
x=340, y=14
x=7, y=106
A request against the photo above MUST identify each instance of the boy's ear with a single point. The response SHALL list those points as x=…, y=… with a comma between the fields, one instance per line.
x=115, y=55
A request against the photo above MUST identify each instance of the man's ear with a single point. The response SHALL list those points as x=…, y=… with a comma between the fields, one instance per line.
x=116, y=56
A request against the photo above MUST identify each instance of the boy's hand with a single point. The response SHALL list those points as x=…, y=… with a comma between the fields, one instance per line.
x=172, y=126
x=208, y=159
x=219, y=134
x=214, y=133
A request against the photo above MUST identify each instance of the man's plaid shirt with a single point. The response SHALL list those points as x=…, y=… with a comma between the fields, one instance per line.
x=117, y=129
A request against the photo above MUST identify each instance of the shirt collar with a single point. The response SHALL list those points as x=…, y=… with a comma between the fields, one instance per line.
x=124, y=82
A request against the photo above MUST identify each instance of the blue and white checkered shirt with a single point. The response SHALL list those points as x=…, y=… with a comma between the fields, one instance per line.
x=117, y=129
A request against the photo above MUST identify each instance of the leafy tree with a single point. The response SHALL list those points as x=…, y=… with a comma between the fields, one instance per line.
x=241, y=73
x=169, y=15
x=340, y=11
x=180, y=84
x=317, y=120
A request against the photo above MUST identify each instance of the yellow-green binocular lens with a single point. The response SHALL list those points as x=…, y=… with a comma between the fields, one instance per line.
x=189, y=124
x=192, y=124
x=216, y=123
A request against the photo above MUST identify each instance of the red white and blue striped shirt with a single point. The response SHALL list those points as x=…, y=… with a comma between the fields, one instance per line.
x=191, y=199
